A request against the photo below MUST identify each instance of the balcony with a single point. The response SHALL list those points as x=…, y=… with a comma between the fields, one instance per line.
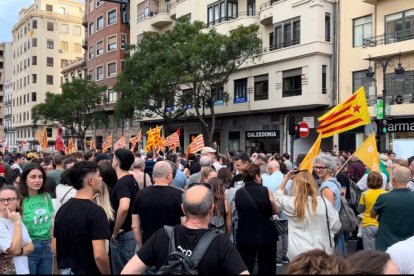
x=161, y=18
x=84, y=21
x=266, y=13
x=225, y=25
x=7, y=116
x=85, y=44
x=171, y=7
x=385, y=44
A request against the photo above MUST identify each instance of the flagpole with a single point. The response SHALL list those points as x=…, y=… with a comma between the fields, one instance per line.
x=346, y=162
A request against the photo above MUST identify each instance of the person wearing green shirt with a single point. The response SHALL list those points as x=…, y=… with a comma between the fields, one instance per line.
x=37, y=210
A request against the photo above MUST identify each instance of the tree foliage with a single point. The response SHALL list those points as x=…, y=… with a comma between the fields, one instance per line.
x=78, y=107
x=189, y=58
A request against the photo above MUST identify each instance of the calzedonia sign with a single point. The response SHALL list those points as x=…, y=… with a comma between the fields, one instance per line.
x=400, y=125
x=263, y=134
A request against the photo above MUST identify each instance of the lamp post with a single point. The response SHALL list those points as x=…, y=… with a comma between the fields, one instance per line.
x=383, y=63
x=34, y=128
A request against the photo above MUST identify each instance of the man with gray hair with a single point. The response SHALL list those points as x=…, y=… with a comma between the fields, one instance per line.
x=137, y=170
x=395, y=211
x=205, y=162
x=157, y=205
x=221, y=257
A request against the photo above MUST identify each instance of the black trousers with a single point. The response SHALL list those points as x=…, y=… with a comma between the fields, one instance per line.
x=266, y=256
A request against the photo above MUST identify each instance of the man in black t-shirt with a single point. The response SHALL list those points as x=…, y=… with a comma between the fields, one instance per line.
x=221, y=257
x=81, y=226
x=122, y=198
x=157, y=205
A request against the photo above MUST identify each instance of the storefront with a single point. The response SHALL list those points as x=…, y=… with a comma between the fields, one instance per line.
x=266, y=141
x=401, y=136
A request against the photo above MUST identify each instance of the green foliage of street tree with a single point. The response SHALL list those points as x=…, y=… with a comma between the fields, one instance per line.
x=78, y=107
x=174, y=74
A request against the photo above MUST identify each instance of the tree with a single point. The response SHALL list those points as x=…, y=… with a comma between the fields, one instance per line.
x=168, y=73
x=78, y=107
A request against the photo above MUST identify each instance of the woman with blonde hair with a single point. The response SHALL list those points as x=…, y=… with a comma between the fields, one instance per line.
x=207, y=174
x=312, y=219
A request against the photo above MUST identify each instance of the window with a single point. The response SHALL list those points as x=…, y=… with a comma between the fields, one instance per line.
x=50, y=44
x=218, y=94
x=49, y=79
x=91, y=28
x=34, y=60
x=49, y=62
x=402, y=88
x=34, y=96
x=324, y=90
x=123, y=41
x=64, y=46
x=271, y=41
x=169, y=102
x=34, y=42
x=90, y=52
x=261, y=87
x=187, y=99
x=64, y=28
x=77, y=30
x=50, y=26
x=112, y=69
x=90, y=6
x=292, y=82
x=63, y=62
x=49, y=8
x=251, y=8
x=362, y=28
x=34, y=24
x=399, y=26
x=99, y=73
x=99, y=2
x=327, y=27
x=240, y=91
x=99, y=23
x=77, y=48
x=231, y=9
x=49, y=132
x=216, y=12
x=62, y=10
x=111, y=96
x=359, y=79
x=287, y=33
x=111, y=17
x=90, y=73
x=111, y=43
x=99, y=48
x=34, y=78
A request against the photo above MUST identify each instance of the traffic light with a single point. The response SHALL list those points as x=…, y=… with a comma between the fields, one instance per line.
x=382, y=127
x=296, y=131
x=291, y=125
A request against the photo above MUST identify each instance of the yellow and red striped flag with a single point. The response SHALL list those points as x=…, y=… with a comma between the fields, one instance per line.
x=120, y=143
x=173, y=140
x=44, y=142
x=345, y=116
x=136, y=139
x=40, y=137
x=71, y=146
x=368, y=153
x=108, y=143
x=196, y=145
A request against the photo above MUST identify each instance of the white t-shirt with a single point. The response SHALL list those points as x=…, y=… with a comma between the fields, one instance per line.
x=61, y=191
x=402, y=254
x=21, y=263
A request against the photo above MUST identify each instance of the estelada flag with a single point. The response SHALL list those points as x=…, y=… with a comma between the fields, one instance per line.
x=71, y=146
x=368, y=153
x=108, y=143
x=59, y=145
x=307, y=163
x=137, y=138
x=345, y=116
x=173, y=140
x=196, y=145
x=120, y=143
x=44, y=142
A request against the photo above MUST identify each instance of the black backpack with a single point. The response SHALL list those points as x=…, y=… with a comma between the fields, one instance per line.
x=178, y=263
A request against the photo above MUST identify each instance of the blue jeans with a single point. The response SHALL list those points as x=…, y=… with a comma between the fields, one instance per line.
x=41, y=259
x=122, y=251
x=341, y=246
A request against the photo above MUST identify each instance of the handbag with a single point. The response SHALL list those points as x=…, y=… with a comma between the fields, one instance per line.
x=280, y=227
x=6, y=265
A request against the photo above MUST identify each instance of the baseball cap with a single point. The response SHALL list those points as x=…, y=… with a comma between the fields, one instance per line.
x=207, y=150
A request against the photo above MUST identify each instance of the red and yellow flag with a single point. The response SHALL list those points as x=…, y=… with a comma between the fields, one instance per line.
x=345, y=116
x=120, y=143
x=108, y=143
x=136, y=139
x=368, y=153
x=196, y=145
x=71, y=146
x=307, y=163
x=173, y=140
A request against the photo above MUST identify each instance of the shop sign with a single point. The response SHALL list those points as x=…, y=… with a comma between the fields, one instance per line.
x=263, y=134
x=400, y=125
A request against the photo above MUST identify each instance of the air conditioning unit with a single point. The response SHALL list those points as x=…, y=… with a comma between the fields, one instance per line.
x=398, y=99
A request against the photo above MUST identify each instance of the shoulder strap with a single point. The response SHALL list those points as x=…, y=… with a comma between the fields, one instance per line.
x=202, y=246
x=327, y=220
x=66, y=195
x=170, y=233
x=145, y=179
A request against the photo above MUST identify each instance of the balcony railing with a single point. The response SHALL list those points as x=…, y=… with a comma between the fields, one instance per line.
x=233, y=17
x=388, y=38
x=281, y=45
x=268, y=4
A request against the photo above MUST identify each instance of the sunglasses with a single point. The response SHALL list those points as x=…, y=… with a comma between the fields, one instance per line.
x=207, y=185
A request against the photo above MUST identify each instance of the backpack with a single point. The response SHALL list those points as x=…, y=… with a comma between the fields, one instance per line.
x=354, y=193
x=346, y=214
x=178, y=263
x=217, y=223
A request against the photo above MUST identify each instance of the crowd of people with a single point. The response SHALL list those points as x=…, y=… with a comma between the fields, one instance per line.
x=142, y=213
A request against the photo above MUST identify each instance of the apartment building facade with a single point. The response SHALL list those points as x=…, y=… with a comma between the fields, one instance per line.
x=381, y=31
x=7, y=76
x=2, y=87
x=296, y=74
x=48, y=34
x=106, y=38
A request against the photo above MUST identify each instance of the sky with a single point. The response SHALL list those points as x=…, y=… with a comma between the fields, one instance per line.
x=9, y=15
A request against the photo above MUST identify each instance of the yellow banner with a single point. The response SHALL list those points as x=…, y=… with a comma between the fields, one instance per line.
x=307, y=163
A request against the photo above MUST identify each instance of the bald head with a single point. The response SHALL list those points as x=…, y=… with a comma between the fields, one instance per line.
x=162, y=172
x=273, y=166
x=197, y=201
x=401, y=176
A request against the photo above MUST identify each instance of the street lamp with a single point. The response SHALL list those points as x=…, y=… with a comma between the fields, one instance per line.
x=34, y=128
x=384, y=62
